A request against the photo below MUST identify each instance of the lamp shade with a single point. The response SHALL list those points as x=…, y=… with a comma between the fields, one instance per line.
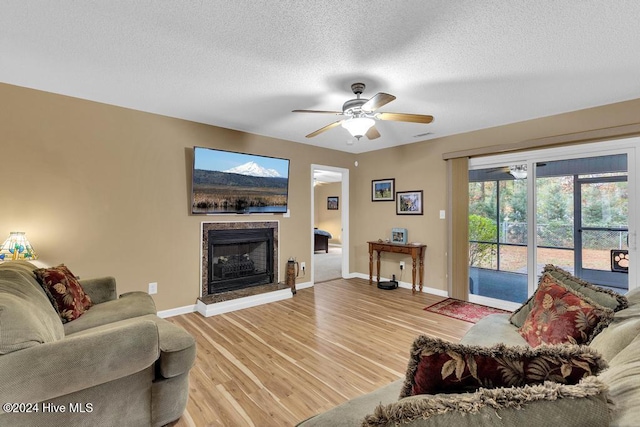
x=17, y=247
x=358, y=126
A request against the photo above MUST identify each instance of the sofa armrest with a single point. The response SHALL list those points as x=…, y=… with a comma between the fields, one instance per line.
x=86, y=359
x=101, y=289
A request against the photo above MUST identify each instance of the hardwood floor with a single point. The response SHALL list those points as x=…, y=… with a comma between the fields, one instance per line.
x=280, y=363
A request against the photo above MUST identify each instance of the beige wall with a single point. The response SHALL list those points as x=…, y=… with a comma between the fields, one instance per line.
x=325, y=219
x=106, y=190
x=419, y=166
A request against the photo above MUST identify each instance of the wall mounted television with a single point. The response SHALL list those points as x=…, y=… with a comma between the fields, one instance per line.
x=226, y=182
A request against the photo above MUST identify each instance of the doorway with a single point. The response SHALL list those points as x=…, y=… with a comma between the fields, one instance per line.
x=329, y=223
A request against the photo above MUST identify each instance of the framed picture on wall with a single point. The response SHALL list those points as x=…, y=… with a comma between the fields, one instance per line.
x=383, y=190
x=409, y=202
x=332, y=203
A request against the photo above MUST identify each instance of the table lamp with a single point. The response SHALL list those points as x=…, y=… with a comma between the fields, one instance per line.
x=17, y=247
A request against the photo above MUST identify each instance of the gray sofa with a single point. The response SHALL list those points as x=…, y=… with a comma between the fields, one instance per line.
x=618, y=343
x=117, y=364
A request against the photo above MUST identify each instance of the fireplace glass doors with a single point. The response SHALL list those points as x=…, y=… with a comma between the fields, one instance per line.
x=239, y=258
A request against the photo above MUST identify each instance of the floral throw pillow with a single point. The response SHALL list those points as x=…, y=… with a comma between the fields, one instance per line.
x=64, y=291
x=561, y=315
x=436, y=366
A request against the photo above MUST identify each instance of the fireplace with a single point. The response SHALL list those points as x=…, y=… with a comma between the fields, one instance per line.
x=238, y=256
x=239, y=259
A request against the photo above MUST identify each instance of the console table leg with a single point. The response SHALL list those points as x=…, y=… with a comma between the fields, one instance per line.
x=421, y=271
x=378, y=267
x=413, y=276
x=370, y=267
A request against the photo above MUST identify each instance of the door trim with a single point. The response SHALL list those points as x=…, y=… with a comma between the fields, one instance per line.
x=344, y=217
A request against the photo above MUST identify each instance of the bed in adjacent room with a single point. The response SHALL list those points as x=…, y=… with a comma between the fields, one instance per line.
x=321, y=240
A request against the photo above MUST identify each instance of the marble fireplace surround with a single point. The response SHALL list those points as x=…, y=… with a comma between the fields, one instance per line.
x=212, y=304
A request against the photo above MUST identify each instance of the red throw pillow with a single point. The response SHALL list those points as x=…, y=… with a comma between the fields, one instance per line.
x=560, y=315
x=64, y=291
x=437, y=366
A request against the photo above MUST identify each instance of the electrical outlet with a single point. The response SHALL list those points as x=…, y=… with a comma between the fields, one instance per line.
x=401, y=265
x=153, y=288
x=303, y=266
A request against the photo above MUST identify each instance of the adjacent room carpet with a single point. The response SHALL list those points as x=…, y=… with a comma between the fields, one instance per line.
x=328, y=266
x=462, y=310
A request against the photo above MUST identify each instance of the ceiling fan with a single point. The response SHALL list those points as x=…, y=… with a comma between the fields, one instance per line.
x=360, y=114
x=518, y=171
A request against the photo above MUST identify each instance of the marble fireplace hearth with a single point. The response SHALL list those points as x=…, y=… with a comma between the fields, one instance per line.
x=210, y=304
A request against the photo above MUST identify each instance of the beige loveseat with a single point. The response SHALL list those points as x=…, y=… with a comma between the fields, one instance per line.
x=117, y=364
x=583, y=405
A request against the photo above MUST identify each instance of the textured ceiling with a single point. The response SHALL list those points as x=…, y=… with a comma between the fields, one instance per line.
x=246, y=64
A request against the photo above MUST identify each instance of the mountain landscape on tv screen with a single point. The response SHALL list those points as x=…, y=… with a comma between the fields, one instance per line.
x=254, y=169
x=245, y=188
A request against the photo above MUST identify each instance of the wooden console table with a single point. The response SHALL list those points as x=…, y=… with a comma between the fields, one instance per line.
x=416, y=252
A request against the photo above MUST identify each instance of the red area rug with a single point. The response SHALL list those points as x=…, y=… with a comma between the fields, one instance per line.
x=467, y=311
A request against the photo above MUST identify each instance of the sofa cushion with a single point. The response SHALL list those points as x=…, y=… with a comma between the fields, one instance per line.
x=129, y=305
x=25, y=270
x=615, y=337
x=436, y=366
x=623, y=379
x=561, y=315
x=603, y=297
x=64, y=291
x=548, y=404
x=351, y=413
x=502, y=331
x=633, y=296
x=26, y=315
x=22, y=325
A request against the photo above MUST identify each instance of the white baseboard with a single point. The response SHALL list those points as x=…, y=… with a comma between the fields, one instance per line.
x=303, y=285
x=251, y=301
x=240, y=303
x=407, y=285
x=177, y=311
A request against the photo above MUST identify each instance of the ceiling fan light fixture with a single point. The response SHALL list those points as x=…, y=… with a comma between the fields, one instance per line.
x=358, y=126
x=518, y=171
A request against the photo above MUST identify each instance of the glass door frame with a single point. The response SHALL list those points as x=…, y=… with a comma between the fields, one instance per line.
x=588, y=274
x=530, y=159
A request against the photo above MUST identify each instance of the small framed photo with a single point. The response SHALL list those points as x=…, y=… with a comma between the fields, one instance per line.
x=383, y=190
x=399, y=235
x=409, y=203
x=332, y=203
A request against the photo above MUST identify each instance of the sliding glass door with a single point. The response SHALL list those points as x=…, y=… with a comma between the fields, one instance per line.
x=497, y=234
x=535, y=210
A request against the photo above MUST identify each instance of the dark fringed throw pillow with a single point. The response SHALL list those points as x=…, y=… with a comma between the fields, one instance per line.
x=604, y=297
x=436, y=366
x=561, y=315
x=64, y=291
x=576, y=405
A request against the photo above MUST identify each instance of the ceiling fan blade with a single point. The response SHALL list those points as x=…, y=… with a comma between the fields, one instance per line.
x=504, y=169
x=372, y=133
x=378, y=100
x=318, y=111
x=402, y=117
x=323, y=129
